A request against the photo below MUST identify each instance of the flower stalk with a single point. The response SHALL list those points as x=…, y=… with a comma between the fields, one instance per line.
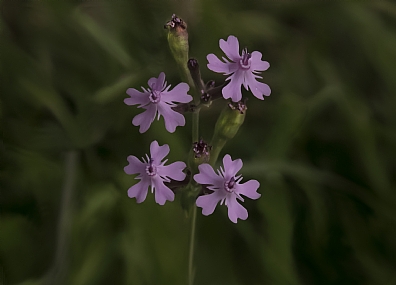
x=191, y=270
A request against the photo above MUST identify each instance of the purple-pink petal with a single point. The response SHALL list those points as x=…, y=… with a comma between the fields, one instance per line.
x=258, y=88
x=231, y=167
x=172, y=118
x=207, y=176
x=209, y=202
x=139, y=190
x=235, y=210
x=233, y=89
x=231, y=48
x=134, y=166
x=137, y=97
x=173, y=170
x=177, y=94
x=216, y=65
x=145, y=119
x=162, y=193
x=158, y=152
x=256, y=62
x=249, y=189
x=157, y=83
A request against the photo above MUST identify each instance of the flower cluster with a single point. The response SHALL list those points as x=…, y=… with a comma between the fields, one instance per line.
x=224, y=186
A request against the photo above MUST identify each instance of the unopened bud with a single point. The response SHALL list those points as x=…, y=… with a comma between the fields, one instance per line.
x=195, y=73
x=227, y=125
x=178, y=44
x=230, y=119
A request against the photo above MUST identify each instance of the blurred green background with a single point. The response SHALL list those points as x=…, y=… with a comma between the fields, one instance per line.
x=323, y=145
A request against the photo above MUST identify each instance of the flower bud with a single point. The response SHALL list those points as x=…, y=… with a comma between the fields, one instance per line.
x=229, y=121
x=227, y=125
x=195, y=73
x=178, y=44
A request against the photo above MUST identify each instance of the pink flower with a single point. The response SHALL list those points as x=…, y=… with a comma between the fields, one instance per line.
x=243, y=69
x=152, y=172
x=226, y=188
x=158, y=99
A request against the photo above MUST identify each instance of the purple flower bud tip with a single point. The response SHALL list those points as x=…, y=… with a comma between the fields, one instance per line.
x=226, y=188
x=153, y=172
x=158, y=101
x=242, y=68
x=192, y=64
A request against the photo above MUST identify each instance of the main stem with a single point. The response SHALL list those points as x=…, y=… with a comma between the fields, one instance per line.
x=195, y=125
x=191, y=251
x=195, y=135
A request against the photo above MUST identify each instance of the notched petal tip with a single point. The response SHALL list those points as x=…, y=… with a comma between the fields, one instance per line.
x=158, y=152
x=230, y=48
x=209, y=202
x=172, y=118
x=236, y=211
x=216, y=65
x=249, y=189
x=138, y=191
x=134, y=165
x=162, y=192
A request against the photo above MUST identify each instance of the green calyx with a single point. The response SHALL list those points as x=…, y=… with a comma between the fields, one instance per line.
x=178, y=44
x=227, y=125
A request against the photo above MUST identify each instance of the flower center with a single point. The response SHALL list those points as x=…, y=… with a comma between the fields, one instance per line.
x=151, y=170
x=229, y=185
x=155, y=96
x=245, y=60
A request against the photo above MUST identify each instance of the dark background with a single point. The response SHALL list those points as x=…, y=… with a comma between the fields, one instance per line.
x=323, y=145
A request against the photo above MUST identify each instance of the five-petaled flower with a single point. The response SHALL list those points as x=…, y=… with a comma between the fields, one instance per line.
x=243, y=69
x=158, y=99
x=152, y=172
x=226, y=188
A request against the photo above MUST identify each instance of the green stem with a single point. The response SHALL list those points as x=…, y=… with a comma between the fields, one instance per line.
x=186, y=76
x=195, y=125
x=195, y=136
x=214, y=154
x=191, y=251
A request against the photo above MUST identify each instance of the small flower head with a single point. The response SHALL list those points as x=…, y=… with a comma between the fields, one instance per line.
x=226, y=188
x=201, y=149
x=175, y=22
x=158, y=100
x=239, y=106
x=243, y=69
x=153, y=172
